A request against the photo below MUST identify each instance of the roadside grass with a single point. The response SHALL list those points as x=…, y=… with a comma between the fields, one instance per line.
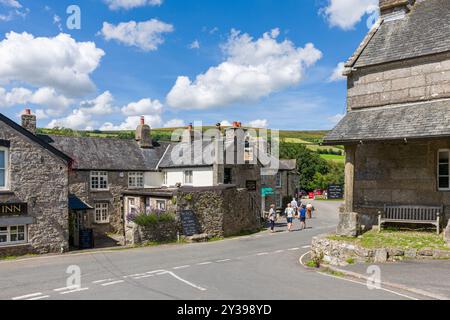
x=6, y=258
x=333, y=157
x=395, y=238
x=312, y=264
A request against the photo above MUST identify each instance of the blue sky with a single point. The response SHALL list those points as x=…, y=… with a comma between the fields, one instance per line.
x=261, y=62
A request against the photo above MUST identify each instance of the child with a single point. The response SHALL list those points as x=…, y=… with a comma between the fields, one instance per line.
x=272, y=217
x=303, y=218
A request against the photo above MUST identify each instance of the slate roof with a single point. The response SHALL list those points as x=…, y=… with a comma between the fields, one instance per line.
x=76, y=203
x=423, y=31
x=196, y=158
x=411, y=121
x=90, y=153
x=34, y=138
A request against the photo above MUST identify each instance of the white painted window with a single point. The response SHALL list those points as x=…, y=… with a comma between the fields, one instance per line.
x=99, y=180
x=278, y=180
x=4, y=168
x=443, y=170
x=135, y=179
x=279, y=200
x=161, y=205
x=165, y=179
x=188, y=177
x=13, y=234
x=101, y=213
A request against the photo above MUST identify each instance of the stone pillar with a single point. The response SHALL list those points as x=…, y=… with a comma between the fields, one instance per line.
x=348, y=219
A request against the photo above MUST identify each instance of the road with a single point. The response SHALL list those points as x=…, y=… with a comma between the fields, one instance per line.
x=261, y=266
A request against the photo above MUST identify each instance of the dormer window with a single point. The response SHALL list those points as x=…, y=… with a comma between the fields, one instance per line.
x=4, y=168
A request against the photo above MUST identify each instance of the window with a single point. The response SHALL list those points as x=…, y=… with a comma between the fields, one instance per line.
x=443, y=170
x=3, y=168
x=188, y=174
x=227, y=179
x=99, y=180
x=161, y=205
x=165, y=178
x=101, y=213
x=279, y=200
x=13, y=234
x=136, y=180
x=278, y=181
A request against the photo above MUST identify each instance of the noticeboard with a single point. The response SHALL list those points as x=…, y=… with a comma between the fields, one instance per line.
x=335, y=191
x=189, y=223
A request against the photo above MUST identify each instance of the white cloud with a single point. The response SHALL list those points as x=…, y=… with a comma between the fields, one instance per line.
x=77, y=120
x=132, y=122
x=11, y=3
x=65, y=64
x=142, y=107
x=337, y=74
x=174, y=123
x=195, y=45
x=225, y=123
x=102, y=105
x=252, y=69
x=57, y=22
x=46, y=97
x=145, y=35
x=259, y=123
x=345, y=14
x=336, y=118
x=130, y=4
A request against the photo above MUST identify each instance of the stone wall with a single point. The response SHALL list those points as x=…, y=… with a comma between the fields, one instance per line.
x=399, y=174
x=40, y=179
x=221, y=211
x=159, y=232
x=411, y=80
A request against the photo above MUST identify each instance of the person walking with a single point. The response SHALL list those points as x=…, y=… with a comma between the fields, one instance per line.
x=294, y=205
x=302, y=217
x=289, y=216
x=272, y=217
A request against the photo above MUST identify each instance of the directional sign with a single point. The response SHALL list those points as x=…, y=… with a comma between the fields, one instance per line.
x=266, y=191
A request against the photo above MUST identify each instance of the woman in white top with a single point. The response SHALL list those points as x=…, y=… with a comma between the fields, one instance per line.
x=272, y=217
x=289, y=216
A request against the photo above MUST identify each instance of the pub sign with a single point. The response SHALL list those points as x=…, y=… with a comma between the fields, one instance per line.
x=13, y=209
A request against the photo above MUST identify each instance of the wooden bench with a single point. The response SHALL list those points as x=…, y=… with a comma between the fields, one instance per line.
x=411, y=214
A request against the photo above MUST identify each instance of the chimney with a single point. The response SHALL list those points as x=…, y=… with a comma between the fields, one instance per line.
x=29, y=121
x=394, y=6
x=144, y=135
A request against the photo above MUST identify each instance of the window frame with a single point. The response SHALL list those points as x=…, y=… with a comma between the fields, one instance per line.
x=161, y=201
x=8, y=234
x=278, y=180
x=99, y=175
x=100, y=206
x=438, y=176
x=191, y=177
x=278, y=201
x=6, y=169
x=136, y=175
x=165, y=178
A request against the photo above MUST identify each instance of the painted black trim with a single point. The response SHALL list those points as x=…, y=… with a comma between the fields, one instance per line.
x=5, y=143
x=34, y=138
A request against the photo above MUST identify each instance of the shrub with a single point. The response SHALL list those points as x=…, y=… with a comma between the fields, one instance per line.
x=145, y=220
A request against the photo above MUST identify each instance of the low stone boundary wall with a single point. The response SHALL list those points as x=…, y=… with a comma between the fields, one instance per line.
x=159, y=232
x=339, y=253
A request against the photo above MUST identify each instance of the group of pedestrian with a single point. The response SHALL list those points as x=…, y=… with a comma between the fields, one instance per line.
x=292, y=211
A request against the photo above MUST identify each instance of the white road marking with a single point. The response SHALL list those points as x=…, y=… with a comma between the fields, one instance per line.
x=306, y=247
x=134, y=275
x=262, y=253
x=279, y=251
x=155, y=271
x=111, y=283
x=75, y=290
x=103, y=280
x=181, y=267
x=66, y=288
x=27, y=296
x=185, y=281
x=204, y=263
x=39, y=298
x=223, y=260
x=293, y=249
x=141, y=277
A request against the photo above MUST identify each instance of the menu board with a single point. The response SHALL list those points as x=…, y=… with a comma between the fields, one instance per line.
x=335, y=191
x=189, y=223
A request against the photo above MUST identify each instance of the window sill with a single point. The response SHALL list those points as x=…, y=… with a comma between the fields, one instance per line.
x=101, y=223
x=99, y=190
x=16, y=244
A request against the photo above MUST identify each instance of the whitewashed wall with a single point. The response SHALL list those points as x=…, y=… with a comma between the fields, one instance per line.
x=153, y=179
x=202, y=177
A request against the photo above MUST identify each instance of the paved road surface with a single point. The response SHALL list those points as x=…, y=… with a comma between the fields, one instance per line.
x=261, y=266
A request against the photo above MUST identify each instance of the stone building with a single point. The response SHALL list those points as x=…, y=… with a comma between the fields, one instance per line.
x=284, y=183
x=34, y=188
x=396, y=131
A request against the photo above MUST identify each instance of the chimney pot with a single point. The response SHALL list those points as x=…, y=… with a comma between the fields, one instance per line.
x=28, y=111
x=142, y=120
